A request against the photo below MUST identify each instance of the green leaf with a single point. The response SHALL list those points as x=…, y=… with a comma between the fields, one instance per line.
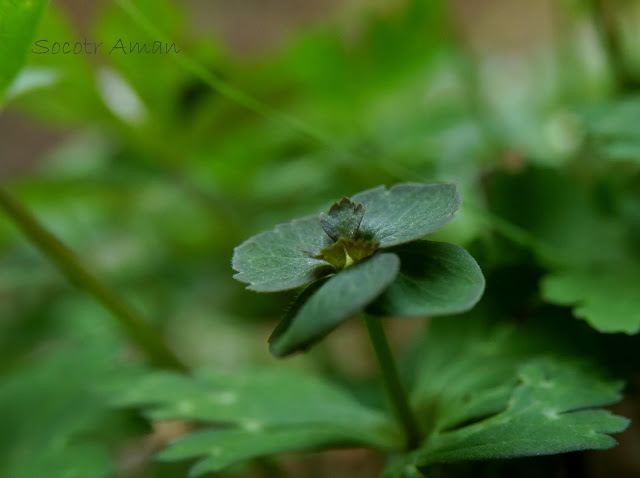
x=342, y=296
x=18, y=22
x=343, y=220
x=436, y=278
x=262, y=412
x=486, y=392
x=222, y=448
x=44, y=435
x=286, y=398
x=608, y=300
x=406, y=212
x=279, y=259
x=550, y=411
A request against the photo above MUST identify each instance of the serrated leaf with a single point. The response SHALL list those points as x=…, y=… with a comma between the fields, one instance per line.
x=280, y=259
x=550, y=411
x=486, y=393
x=406, y=212
x=608, y=300
x=343, y=220
x=19, y=20
x=260, y=413
x=436, y=278
x=342, y=296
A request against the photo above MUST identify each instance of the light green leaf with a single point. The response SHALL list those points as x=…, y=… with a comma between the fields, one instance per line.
x=222, y=448
x=260, y=413
x=406, y=212
x=279, y=259
x=18, y=22
x=608, y=300
x=264, y=399
x=342, y=296
x=436, y=278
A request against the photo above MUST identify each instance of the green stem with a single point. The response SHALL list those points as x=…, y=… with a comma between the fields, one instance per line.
x=140, y=332
x=393, y=385
x=607, y=30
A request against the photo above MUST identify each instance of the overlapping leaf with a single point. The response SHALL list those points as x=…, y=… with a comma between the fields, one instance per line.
x=340, y=297
x=486, y=395
x=436, y=278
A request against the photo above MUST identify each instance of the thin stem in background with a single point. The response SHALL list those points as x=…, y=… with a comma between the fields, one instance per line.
x=139, y=331
x=609, y=34
x=392, y=383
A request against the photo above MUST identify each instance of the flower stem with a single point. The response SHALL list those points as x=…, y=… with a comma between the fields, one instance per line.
x=392, y=383
x=140, y=332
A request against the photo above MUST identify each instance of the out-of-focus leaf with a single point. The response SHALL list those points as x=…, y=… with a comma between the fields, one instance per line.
x=19, y=20
x=436, y=278
x=611, y=132
x=609, y=300
x=406, y=212
x=339, y=298
x=260, y=413
x=561, y=215
x=222, y=448
x=279, y=259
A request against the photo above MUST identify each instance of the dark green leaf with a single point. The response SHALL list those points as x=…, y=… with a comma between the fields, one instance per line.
x=343, y=220
x=406, y=212
x=342, y=296
x=18, y=22
x=436, y=278
x=485, y=392
x=280, y=259
x=550, y=411
x=608, y=300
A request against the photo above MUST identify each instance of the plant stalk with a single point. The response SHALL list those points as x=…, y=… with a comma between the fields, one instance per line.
x=607, y=30
x=395, y=390
x=139, y=331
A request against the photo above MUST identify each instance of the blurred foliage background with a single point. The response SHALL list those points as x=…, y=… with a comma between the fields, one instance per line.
x=153, y=167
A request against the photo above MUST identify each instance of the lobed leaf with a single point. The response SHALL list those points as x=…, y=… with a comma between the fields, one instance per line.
x=608, y=300
x=343, y=220
x=339, y=298
x=406, y=212
x=486, y=393
x=550, y=411
x=435, y=278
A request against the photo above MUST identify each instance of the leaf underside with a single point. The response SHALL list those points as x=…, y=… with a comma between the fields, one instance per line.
x=339, y=298
x=436, y=278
